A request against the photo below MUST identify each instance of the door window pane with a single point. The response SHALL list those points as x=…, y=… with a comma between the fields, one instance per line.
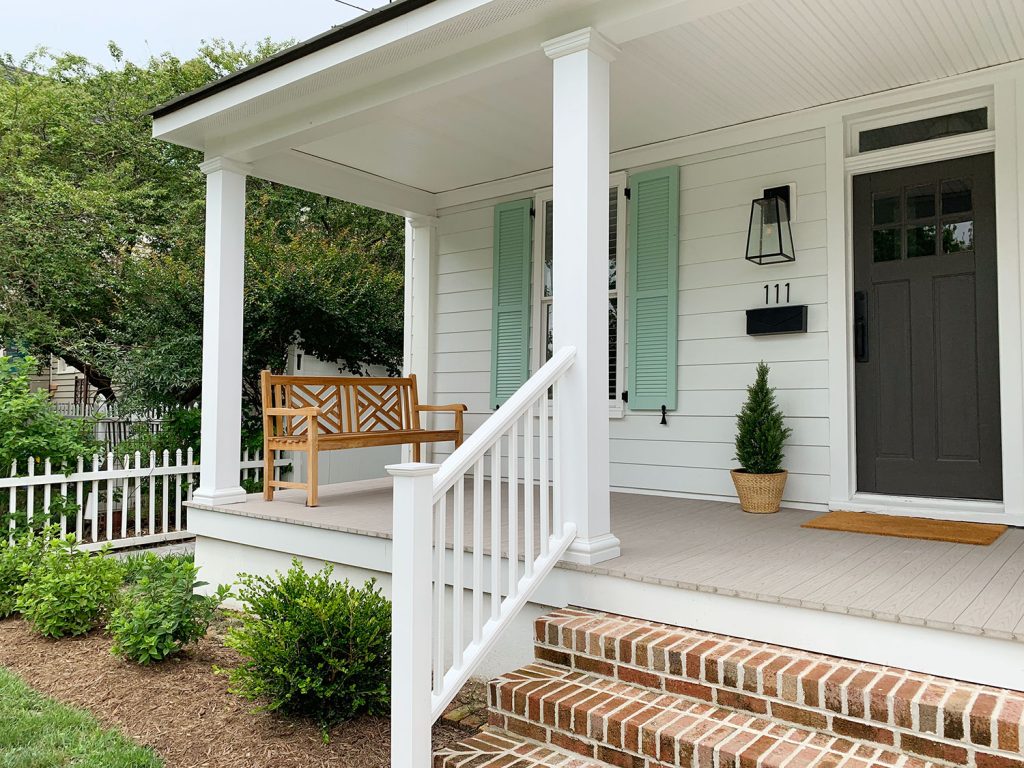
x=921, y=202
x=886, y=208
x=549, y=240
x=887, y=244
x=613, y=347
x=958, y=236
x=920, y=241
x=956, y=196
x=613, y=237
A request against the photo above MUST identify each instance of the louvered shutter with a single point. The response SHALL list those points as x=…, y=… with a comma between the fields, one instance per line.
x=510, y=325
x=653, y=288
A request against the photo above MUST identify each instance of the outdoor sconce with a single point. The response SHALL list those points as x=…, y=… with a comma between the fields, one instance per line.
x=770, y=239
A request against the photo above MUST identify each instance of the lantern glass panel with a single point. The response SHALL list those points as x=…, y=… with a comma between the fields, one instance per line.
x=770, y=239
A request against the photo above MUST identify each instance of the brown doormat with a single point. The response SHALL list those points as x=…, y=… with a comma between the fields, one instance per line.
x=908, y=527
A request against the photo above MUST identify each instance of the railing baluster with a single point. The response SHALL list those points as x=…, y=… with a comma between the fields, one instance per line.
x=528, y=491
x=545, y=490
x=496, y=529
x=556, y=461
x=513, y=509
x=478, y=548
x=458, y=555
x=441, y=534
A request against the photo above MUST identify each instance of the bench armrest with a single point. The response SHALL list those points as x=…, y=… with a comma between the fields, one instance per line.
x=309, y=411
x=453, y=408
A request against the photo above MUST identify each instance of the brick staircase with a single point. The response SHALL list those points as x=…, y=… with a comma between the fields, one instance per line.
x=609, y=690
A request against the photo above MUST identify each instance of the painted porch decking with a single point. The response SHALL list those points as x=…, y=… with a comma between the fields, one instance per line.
x=714, y=547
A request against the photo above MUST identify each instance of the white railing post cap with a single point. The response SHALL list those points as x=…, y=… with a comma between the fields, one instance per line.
x=412, y=469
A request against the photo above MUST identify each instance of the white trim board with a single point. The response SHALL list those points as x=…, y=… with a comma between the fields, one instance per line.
x=975, y=658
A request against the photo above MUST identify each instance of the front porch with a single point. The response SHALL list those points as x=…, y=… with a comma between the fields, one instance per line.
x=922, y=605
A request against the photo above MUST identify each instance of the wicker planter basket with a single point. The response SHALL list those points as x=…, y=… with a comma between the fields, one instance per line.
x=759, y=494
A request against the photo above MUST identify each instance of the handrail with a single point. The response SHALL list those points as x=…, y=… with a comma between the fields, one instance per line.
x=474, y=538
x=463, y=458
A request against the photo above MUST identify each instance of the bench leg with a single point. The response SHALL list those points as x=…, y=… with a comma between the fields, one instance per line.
x=312, y=476
x=416, y=452
x=268, y=474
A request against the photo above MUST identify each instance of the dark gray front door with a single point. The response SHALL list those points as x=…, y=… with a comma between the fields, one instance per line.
x=925, y=331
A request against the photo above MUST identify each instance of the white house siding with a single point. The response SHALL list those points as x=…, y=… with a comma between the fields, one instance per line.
x=693, y=453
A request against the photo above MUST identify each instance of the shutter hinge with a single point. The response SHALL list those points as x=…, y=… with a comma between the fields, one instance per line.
x=533, y=212
x=629, y=193
x=625, y=395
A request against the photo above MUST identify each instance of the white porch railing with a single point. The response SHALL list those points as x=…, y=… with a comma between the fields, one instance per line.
x=437, y=646
x=124, y=500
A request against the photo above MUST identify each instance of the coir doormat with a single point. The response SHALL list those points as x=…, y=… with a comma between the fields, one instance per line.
x=908, y=527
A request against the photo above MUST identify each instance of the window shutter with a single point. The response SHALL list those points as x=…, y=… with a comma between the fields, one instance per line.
x=510, y=325
x=653, y=288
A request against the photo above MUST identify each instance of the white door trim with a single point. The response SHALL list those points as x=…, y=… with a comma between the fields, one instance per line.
x=1004, y=138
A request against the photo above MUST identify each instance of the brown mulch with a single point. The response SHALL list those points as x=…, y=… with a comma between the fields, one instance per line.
x=183, y=711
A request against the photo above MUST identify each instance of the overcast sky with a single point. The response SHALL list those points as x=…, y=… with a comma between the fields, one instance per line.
x=144, y=27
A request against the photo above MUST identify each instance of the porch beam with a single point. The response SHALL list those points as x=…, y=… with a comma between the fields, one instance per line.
x=580, y=284
x=221, y=430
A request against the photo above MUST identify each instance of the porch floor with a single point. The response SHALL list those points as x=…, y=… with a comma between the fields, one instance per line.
x=712, y=546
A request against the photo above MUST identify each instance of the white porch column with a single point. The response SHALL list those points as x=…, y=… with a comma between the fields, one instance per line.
x=420, y=249
x=221, y=434
x=581, y=148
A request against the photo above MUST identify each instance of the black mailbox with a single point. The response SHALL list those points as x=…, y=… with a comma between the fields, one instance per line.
x=767, y=321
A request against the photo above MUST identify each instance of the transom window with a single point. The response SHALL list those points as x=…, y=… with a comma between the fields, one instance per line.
x=542, y=336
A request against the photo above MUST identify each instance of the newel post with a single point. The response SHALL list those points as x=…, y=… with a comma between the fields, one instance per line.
x=411, y=620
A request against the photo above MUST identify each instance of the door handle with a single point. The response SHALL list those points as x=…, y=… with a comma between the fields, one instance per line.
x=860, y=326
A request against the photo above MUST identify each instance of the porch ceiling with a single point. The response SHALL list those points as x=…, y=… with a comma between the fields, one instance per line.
x=720, y=63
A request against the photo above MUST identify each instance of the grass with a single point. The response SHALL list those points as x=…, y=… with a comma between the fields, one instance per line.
x=37, y=732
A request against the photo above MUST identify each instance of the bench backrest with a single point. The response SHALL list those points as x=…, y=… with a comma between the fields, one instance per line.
x=348, y=404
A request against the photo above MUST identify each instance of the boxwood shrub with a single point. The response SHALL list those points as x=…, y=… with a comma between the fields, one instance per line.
x=312, y=646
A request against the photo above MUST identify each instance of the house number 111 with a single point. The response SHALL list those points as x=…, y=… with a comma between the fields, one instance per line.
x=778, y=293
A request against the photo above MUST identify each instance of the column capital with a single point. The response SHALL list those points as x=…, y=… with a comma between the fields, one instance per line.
x=586, y=39
x=220, y=163
x=423, y=221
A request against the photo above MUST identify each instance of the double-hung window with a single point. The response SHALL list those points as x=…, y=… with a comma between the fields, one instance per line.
x=544, y=296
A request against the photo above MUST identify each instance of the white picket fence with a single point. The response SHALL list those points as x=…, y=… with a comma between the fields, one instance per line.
x=122, y=500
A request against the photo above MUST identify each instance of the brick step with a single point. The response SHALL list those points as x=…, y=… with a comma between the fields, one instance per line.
x=491, y=749
x=938, y=718
x=634, y=727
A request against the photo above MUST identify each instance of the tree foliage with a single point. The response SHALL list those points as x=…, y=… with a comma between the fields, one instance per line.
x=101, y=252
x=761, y=430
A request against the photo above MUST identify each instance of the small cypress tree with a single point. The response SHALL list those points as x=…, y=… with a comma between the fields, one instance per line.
x=760, y=428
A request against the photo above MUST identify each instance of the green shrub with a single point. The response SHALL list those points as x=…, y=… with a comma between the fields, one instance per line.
x=160, y=612
x=313, y=647
x=18, y=558
x=68, y=591
x=761, y=430
x=135, y=564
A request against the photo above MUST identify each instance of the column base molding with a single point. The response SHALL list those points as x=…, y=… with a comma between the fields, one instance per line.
x=219, y=496
x=593, y=551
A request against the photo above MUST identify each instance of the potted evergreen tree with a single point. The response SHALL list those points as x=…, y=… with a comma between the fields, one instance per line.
x=760, y=434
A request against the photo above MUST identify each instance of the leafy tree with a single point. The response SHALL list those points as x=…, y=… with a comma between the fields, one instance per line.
x=101, y=252
x=761, y=431
x=30, y=428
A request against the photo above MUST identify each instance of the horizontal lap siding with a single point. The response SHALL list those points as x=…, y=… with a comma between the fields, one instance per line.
x=462, y=319
x=692, y=455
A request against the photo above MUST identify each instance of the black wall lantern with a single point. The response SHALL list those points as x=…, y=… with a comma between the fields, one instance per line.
x=770, y=239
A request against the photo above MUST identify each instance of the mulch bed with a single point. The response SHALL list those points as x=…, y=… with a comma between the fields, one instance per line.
x=183, y=711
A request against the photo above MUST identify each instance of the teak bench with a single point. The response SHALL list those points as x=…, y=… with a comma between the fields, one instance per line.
x=349, y=412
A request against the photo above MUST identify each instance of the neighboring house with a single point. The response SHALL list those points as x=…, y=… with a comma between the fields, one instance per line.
x=68, y=387
x=578, y=178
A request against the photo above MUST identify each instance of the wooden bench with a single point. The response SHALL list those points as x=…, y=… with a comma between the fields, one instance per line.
x=349, y=412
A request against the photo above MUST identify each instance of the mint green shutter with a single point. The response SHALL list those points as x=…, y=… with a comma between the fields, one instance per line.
x=653, y=288
x=510, y=324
